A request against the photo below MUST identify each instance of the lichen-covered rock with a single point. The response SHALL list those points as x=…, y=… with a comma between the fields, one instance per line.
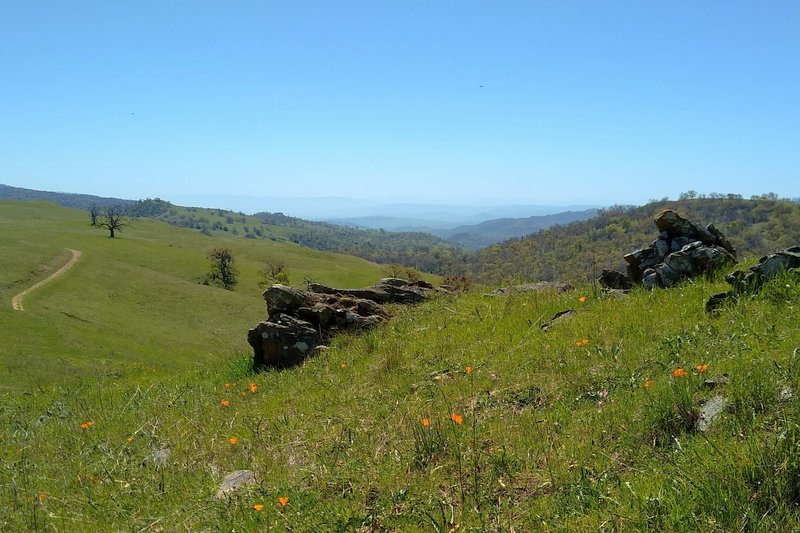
x=540, y=286
x=235, y=481
x=299, y=323
x=682, y=250
x=751, y=280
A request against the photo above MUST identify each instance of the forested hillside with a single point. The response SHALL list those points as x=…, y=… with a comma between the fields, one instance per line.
x=578, y=251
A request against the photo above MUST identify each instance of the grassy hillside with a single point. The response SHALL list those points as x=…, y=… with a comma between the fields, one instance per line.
x=578, y=251
x=418, y=250
x=461, y=414
x=132, y=305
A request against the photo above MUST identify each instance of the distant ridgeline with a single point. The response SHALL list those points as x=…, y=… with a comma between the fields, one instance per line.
x=578, y=252
x=572, y=251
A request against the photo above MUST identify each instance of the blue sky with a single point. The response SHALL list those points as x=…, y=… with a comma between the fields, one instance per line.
x=553, y=102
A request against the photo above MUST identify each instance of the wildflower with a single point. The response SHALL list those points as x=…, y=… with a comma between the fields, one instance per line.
x=233, y=441
x=87, y=424
x=578, y=344
x=603, y=393
x=584, y=342
x=679, y=373
x=227, y=385
x=469, y=370
x=258, y=507
x=648, y=383
x=253, y=388
x=130, y=438
x=225, y=403
x=701, y=368
x=283, y=500
x=42, y=497
x=582, y=299
x=344, y=365
x=426, y=422
x=457, y=418
x=493, y=375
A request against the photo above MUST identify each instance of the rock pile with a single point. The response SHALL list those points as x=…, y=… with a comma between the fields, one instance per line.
x=682, y=250
x=299, y=322
x=751, y=280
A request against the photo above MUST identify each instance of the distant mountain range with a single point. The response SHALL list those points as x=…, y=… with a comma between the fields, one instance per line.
x=471, y=227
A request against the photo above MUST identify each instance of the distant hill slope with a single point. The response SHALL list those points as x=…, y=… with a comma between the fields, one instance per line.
x=490, y=232
x=578, y=251
x=419, y=250
x=78, y=201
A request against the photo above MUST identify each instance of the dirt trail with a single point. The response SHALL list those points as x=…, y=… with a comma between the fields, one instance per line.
x=16, y=301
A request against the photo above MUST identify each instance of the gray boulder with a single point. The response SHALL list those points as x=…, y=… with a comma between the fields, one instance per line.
x=682, y=250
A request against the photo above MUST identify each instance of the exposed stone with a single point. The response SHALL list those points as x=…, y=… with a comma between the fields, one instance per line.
x=786, y=393
x=157, y=457
x=235, y=481
x=541, y=286
x=751, y=280
x=299, y=322
x=682, y=250
x=558, y=316
x=717, y=380
x=615, y=280
x=709, y=411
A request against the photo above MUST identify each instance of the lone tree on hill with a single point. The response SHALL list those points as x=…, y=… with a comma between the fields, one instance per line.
x=94, y=211
x=113, y=219
x=223, y=273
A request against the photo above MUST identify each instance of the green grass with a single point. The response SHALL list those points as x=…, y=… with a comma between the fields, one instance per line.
x=554, y=436
x=133, y=304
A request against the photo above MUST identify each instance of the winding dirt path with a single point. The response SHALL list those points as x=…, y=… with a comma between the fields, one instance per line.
x=16, y=301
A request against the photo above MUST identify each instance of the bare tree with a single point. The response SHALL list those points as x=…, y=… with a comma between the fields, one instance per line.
x=222, y=272
x=94, y=211
x=113, y=219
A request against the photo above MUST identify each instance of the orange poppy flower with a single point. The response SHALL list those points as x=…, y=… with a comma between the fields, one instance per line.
x=679, y=373
x=233, y=441
x=701, y=368
x=648, y=383
x=225, y=403
x=258, y=507
x=582, y=299
x=469, y=370
x=426, y=422
x=227, y=385
x=585, y=342
x=87, y=424
x=253, y=388
x=130, y=438
x=283, y=500
x=457, y=418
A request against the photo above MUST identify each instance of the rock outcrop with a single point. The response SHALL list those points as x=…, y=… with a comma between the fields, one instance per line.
x=300, y=322
x=682, y=250
x=541, y=286
x=751, y=280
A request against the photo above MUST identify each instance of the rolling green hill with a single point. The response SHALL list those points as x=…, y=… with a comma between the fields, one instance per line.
x=133, y=305
x=418, y=250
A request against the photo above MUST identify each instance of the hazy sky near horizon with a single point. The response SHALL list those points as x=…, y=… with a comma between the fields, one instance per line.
x=544, y=102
